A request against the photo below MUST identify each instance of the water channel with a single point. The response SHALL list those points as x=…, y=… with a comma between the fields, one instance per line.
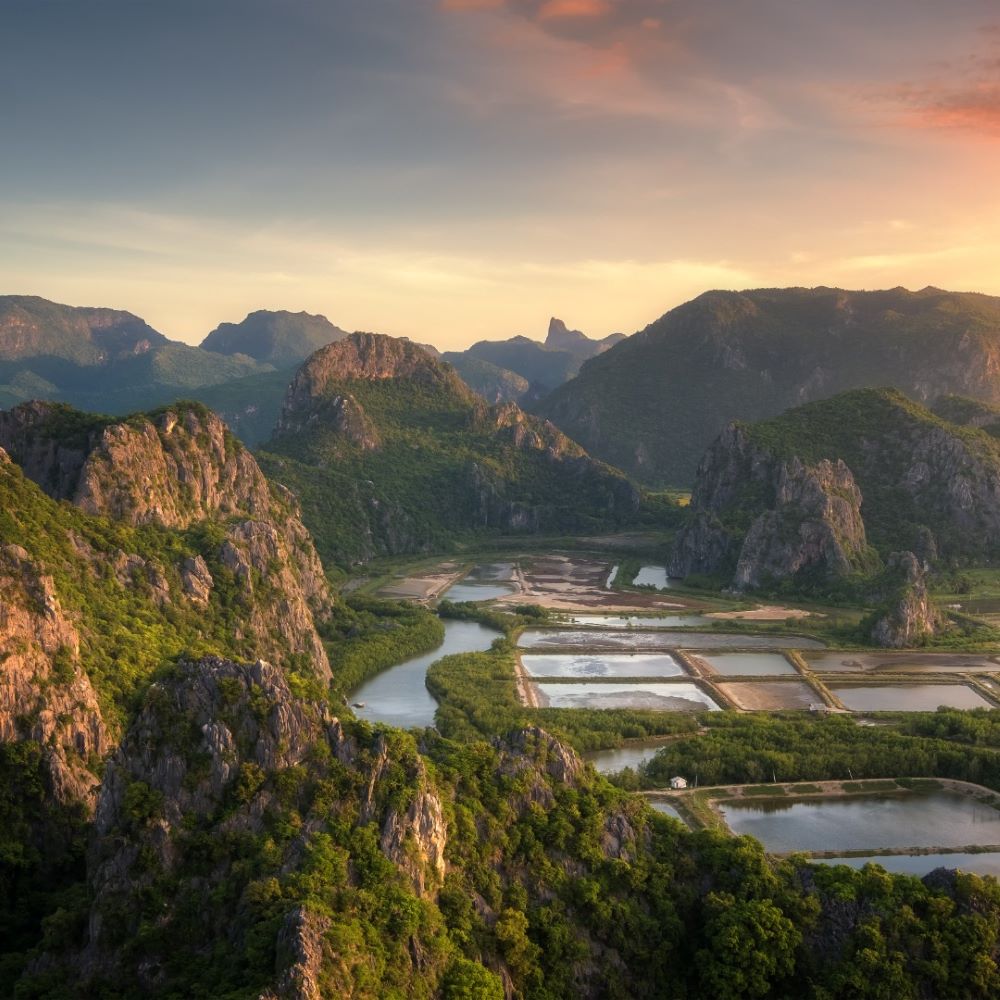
x=398, y=696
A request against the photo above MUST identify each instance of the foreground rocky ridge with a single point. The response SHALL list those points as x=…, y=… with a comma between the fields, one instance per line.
x=174, y=539
x=242, y=840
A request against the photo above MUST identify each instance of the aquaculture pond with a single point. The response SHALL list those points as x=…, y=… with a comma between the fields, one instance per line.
x=601, y=665
x=860, y=822
x=908, y=663
x=399, y=696
x=984, y=863
x=630, y=755
x=652, y=576
x=637, y=639
x=748, y=664
x=665, y=697
x=485, y=582
x=771, y=696
x=907, y=697
x=639, y=621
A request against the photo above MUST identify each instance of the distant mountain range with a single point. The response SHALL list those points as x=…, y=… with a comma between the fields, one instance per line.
x=653, y=403
x=649, y=404
x=282, y=339
x=543, y=365
x=100, y=359
x=112, y=361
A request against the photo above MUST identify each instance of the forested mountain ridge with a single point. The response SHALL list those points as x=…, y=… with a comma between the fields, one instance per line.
x=100, y=359
x=824, y=487
x=654, y=402
x=391, y=452
x=280, y=338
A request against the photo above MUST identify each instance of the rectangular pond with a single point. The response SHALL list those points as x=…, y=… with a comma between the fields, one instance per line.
x=907, y=697
x=909, y=663
x=771, y=696
x=639, y=639
x=585, y=665
x=932, y=819
x=652, y=576
x=657, y=697
x=979, y=863
x=484, y=582
x=748, y=664
x=639, y=621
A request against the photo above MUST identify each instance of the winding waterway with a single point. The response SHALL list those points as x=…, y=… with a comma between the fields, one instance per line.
x=398, y=696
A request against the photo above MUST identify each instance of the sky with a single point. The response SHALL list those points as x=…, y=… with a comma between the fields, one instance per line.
x=454, y=170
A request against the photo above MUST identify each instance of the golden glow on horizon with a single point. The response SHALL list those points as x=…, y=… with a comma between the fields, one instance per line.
x=599, y=160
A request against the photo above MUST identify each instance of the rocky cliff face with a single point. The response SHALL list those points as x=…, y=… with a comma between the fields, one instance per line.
x=44, y=694
x=363, y=357
x=798, y=518
x=815, y=525
x=175, y=469
x=171, y=468
x=908, y=616
x=225, y=750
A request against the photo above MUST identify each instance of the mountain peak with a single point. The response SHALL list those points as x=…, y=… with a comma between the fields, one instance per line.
x=275, y=337
x=562, y=338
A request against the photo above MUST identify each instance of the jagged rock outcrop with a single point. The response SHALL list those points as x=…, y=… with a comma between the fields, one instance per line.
x=44, y=694
x=341, y=415
x=928, y=486
x=217, y=746
x=302, y=952
x=361, y=357
x=177, y=468
x=909, y=616
x=534, y=747
x=800, y=518
x=171, y=468
x=196, y=579
x=702, y=546
x=815, y=525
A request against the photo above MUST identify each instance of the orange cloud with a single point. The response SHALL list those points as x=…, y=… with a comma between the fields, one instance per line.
x=554, y=9
x=974, y=109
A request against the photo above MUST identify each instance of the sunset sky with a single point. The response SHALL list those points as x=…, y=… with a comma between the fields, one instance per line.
x=452, y=170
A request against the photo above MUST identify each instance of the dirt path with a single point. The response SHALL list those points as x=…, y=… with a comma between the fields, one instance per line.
x=526, y=691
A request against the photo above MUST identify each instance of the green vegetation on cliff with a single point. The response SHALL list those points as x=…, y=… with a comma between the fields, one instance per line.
x=389, y=452
x=653, y=403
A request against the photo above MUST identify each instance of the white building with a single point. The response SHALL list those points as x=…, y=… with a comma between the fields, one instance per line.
x=678, y=782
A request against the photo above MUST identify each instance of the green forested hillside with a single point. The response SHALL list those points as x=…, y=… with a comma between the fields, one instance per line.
x=406, y=458
x=653, y=403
